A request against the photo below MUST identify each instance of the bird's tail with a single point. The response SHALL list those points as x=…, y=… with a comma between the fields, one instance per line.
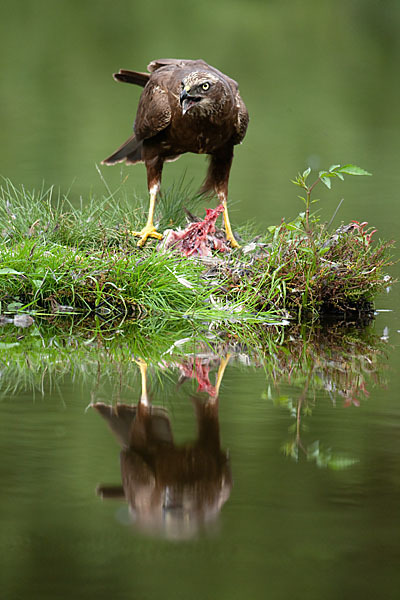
x=130, y=152
x=135, y=77
x=119, y=419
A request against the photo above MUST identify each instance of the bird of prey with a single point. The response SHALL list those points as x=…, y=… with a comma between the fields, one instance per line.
x=186, y=106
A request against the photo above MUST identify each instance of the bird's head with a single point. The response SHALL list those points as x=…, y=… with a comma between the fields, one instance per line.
x=200, y=91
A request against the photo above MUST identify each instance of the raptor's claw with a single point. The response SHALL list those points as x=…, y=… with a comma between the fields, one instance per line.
x=148, y=231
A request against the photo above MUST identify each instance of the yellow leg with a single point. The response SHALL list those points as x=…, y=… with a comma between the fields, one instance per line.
x=221, y=370
x=228, y=230
x=149, y=230
x=144, y=399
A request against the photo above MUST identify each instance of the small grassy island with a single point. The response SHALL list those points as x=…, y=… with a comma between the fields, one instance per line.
x=59, y=258
x=80, y=299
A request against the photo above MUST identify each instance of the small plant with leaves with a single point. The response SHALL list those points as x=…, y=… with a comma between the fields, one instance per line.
x=324, y=177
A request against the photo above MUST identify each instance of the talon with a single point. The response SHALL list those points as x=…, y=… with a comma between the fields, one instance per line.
x=148, y=231
x=232, y=241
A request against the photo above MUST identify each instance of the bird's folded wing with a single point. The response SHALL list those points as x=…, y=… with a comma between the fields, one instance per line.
x=173, y=62
x=154, y=111
x=242, y=120
x=130, y=151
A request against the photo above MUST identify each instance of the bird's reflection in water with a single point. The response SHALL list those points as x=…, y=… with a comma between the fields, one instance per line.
x=172, y=491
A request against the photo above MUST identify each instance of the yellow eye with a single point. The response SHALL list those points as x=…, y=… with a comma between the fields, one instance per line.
x=205, y=86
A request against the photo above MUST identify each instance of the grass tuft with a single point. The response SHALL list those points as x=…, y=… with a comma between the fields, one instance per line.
x=57, y=257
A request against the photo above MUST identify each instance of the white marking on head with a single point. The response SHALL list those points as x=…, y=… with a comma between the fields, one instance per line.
x=198, y=77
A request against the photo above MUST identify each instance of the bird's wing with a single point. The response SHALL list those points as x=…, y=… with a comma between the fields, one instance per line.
x=130, y=151
x=242, y=120
x=197, y=64
x=154, y=110
x=136, y=77
x=119, y=419
x=174, y=62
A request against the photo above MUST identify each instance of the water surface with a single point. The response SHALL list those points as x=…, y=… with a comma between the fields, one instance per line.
x=312, y=503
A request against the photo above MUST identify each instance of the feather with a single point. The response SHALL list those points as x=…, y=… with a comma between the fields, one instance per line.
x=131, y=151
x=119, y=419
x=167, y=62
x=135, y=77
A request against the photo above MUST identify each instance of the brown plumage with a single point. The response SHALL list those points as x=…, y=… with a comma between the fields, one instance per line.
x=171, y=488
x=186, y=106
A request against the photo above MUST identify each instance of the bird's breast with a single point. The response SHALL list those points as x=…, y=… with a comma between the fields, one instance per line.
x=191, y=134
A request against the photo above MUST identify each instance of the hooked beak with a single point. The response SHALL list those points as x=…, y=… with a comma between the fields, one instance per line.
x=187, y=101
x=183, y=96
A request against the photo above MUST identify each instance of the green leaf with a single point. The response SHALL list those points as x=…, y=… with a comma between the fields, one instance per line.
x=7, y=271
x=306, y=173
x=5, y=346
x=297, y=182
x=14, y=306
x=333, y=167
x=283, y=400
x=290, y=449
x=338, y=463
x=326, y=181
x=313, y=450
x=339, y=175
x=322, y=460
x=353, y=170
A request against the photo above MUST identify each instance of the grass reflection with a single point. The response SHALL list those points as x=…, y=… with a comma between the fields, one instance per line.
x=339, y=359
x=337, y=363
x=172, y=489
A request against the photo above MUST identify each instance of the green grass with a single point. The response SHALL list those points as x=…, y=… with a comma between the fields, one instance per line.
x=57, y=257
x=321, y=272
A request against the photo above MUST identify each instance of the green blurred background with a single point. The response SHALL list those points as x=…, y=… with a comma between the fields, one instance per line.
x=320, y=79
